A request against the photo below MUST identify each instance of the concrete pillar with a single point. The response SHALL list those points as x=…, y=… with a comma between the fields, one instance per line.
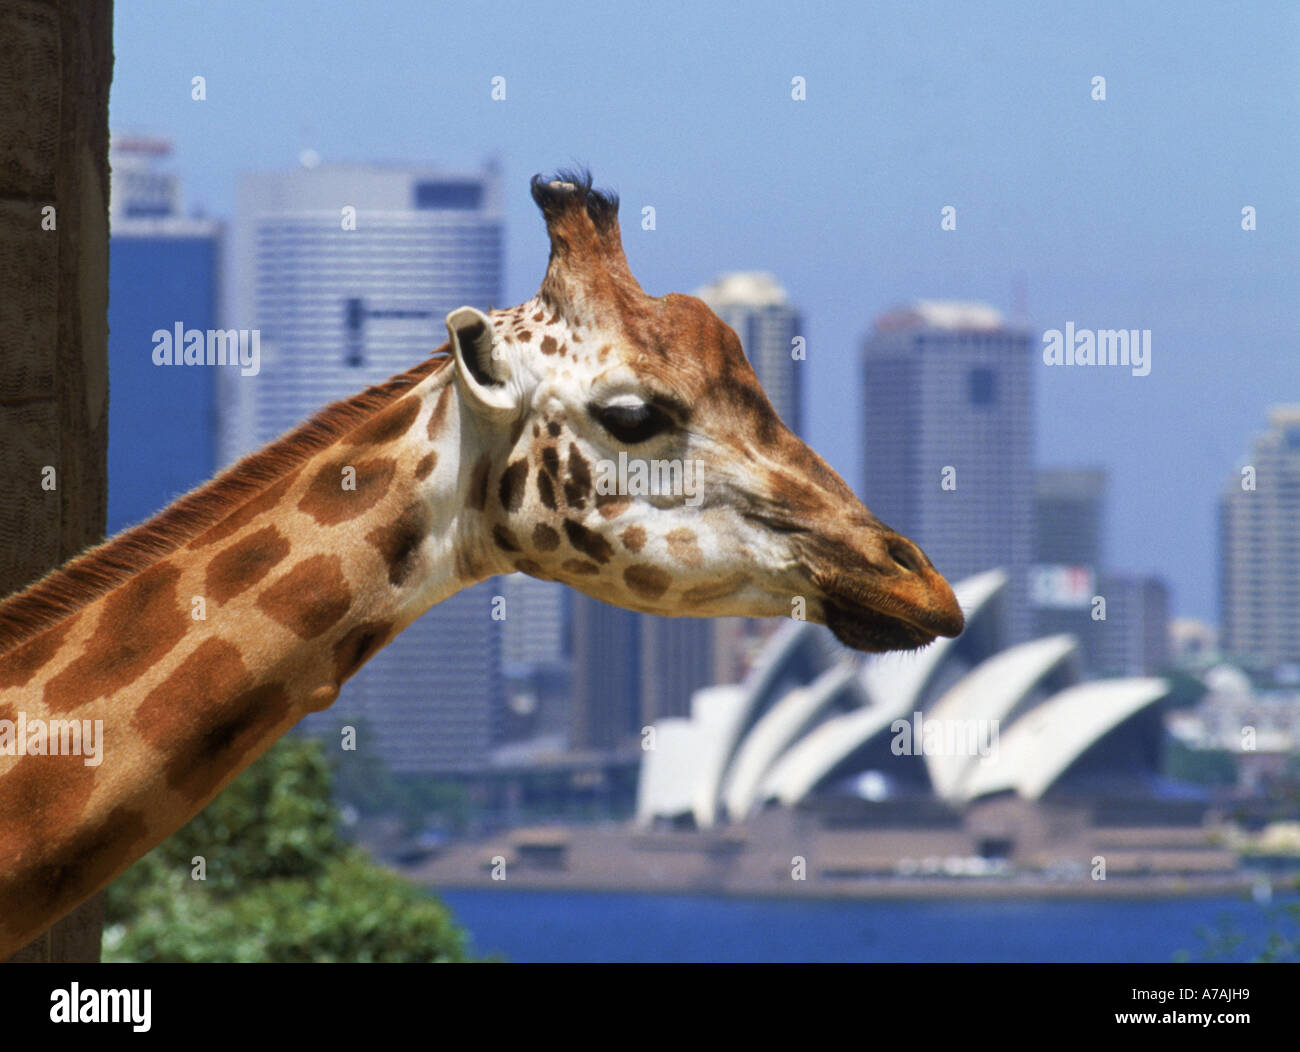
x=56, y=64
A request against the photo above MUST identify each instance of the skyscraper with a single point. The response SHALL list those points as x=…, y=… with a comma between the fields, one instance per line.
x=1133, y=640
x=347, y=272
x=162, y=272
x=1259, y=547
x=949, y=435
x=1068, y=514
x=607, y=687
x=677, y=659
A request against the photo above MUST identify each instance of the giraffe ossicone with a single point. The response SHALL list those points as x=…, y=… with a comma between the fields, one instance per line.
x=313, y=553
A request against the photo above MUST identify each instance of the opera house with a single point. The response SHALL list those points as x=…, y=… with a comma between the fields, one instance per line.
x=964, y=749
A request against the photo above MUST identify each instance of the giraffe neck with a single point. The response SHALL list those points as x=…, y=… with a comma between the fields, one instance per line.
x=172, y=681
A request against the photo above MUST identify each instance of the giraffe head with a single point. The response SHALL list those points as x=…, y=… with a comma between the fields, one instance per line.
x=621, y=444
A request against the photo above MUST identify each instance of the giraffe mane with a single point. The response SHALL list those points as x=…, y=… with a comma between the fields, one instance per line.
x=98, y=571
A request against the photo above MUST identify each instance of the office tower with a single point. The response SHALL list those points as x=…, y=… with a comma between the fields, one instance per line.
x=162, y=273
x=757, y=307
x=948, y=410
x=533, y=632
x=536, y=658
x=1133, y=640
x=677, y=659
x=347, y=272
x=607, y=656
x=1067, y=558
x=1259, y=547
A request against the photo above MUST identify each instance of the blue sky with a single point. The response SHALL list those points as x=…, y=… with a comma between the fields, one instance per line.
x=1116, y=214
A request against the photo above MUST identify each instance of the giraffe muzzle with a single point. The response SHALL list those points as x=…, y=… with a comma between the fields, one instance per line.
x=906, y=606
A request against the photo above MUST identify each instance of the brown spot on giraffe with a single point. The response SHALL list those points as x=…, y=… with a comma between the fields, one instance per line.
x=683, y=546
x=386, y=426
x=590, y=543
x=645, y=580
x=513, y=481
x=580, y=566
x=548, y=345
x=263, y=502
x=579, y=485
x=183, y=705
x=478, y=482
x=399, y=541
x=309, y=598
x=504, y=539
x=525, y=335
x=358, y=646
x=612, y=505
x=573, y=497
x=545, y=539
x=71, y=870
x=201, y=761
x=439, y=415
x=551, y=462
x=139, y=623
x=546, y=491
x=244, y=563
x=22, y=663
x=533, y=569
x=633, y=538
x=39, y=799
x=329, y=503
x=553, y=428
x=426, y=465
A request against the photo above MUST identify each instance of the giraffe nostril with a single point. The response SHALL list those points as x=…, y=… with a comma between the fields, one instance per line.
x=904, y=556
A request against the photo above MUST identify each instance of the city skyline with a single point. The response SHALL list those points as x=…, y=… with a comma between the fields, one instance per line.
x=1124, y=213
x=768, y=317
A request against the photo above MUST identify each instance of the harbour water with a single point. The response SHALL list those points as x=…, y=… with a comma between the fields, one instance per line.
x=598, y=926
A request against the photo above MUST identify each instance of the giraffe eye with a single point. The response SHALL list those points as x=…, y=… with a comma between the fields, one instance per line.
x=631, y=424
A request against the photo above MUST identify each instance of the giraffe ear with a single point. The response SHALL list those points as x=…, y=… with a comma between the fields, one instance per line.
x=483, y=372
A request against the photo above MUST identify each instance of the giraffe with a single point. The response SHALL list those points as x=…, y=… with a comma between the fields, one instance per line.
x=197, y=638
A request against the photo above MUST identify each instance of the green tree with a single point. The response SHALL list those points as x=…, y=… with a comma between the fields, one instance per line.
x=364, y=781
x=280, y=882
